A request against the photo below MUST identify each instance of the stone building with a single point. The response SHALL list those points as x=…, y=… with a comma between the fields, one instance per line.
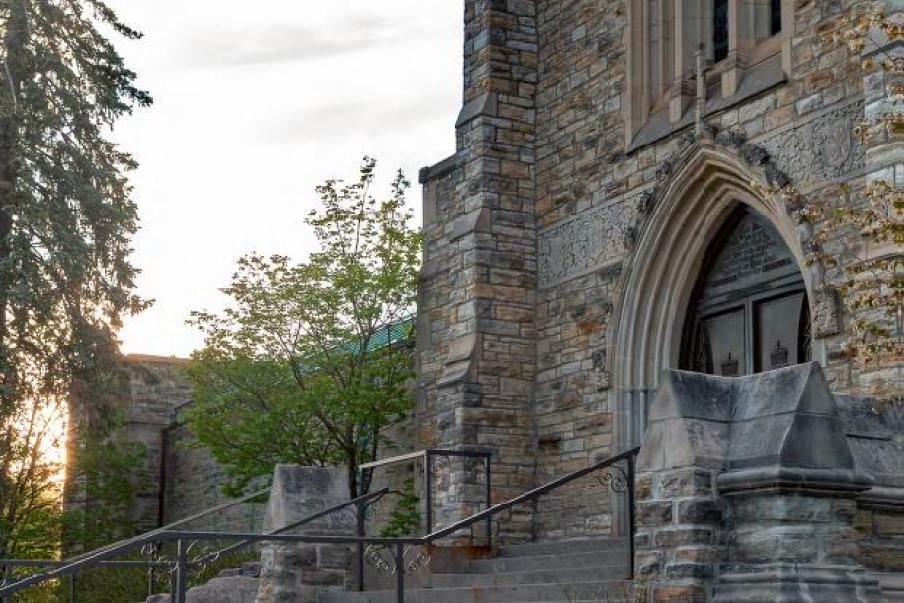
x=603, y=219
x=177, y=479
x=603, y=270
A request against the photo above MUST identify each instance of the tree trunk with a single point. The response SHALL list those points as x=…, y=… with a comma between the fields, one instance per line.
x=14, y=71
x=353, y=474
x=12, y=76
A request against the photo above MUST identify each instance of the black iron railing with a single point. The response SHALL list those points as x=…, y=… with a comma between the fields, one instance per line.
x=430, y=458
x=182, y=538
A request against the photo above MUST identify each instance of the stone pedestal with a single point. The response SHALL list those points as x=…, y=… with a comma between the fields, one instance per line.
x=792, y=540
x=746, y=492
x=296, y=573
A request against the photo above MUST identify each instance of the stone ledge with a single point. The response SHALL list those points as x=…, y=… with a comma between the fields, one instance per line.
x=840, y=482
x=825, y=583
x=881, y=498
x=439, y=170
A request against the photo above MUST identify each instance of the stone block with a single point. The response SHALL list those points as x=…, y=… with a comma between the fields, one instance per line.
x=669, y=537
x=760, y=544
x=296, y=572
x=654, y=513
x=793, y=508
x=700, y=510
x=679, y=593
x=685, y=482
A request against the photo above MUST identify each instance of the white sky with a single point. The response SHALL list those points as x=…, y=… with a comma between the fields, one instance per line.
x=255, y=104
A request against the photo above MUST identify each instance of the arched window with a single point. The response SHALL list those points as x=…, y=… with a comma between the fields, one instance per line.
x=749, y=312
x=740, y=39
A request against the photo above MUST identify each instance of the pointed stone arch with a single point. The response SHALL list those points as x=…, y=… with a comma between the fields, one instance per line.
x=705, y=186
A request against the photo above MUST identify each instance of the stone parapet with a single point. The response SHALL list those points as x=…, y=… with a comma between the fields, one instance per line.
x=747, y=492
x=297, y=573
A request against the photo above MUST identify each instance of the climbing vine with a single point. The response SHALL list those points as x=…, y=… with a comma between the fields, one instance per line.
x=859, y=232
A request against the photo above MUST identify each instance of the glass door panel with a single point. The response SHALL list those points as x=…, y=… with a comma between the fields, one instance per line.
x=725, y=335
x=778, y=323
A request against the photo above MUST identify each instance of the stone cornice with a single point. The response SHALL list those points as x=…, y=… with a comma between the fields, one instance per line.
x=778, y=479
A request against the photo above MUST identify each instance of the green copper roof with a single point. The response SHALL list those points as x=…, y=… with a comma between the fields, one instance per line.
x=392, y=333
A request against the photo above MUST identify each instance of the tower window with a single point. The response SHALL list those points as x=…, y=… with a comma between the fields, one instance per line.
x=720, y=30
x=744, y=36
x=776, y=16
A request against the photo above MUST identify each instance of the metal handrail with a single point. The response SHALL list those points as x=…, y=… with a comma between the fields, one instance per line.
x=61, y=562
x=181, y=536
x=297, y=524
x=358, y=502
x=178, y=522
x=428, y=455
x=163, y=534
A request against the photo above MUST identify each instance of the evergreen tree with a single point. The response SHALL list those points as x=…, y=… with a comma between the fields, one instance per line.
x=66, y=217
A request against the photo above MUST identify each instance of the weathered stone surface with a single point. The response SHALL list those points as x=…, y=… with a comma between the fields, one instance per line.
x=585, y=242
x=821, y=148
x=774, y=447
x=654, y=513
x=296, y=573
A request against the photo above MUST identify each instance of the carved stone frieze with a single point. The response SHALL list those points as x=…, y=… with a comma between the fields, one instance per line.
x=585, y=242
x=826, y=307
x=819, y=149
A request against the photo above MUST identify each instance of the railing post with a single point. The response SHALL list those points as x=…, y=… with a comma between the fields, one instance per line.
x=72, y=589
x=400, y=572
x=7, y=577
x=428, y=486
x=631, y=516
x=181, y=572
x=359, y=530
x=489, y=503
x=150, y=581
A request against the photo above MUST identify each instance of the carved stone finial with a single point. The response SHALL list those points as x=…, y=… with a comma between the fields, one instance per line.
x=700, y=128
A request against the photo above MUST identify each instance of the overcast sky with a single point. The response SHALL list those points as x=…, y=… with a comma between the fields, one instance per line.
x=255, y=104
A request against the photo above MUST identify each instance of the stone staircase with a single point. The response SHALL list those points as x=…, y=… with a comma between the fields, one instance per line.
x=580, y=571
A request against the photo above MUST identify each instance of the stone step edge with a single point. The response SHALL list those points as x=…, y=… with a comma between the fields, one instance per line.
x=586, y=544
x=535, y=572
x=451, y=589
x=557, y=560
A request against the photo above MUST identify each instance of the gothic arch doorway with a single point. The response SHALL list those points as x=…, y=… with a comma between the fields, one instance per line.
x=749, y=311
x=699, y=206
x=699, y=201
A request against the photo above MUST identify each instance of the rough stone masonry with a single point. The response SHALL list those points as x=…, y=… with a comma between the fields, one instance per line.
x=562, y=255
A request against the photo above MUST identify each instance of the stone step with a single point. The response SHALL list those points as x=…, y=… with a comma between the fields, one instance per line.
x=549, y=576
x=599, y=590
x=545, y=562
x=563, y=546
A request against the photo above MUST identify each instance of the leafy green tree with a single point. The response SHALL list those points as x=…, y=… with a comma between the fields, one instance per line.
x=312, y=360
x=66, y=220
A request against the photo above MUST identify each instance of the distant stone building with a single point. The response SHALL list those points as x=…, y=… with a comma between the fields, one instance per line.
x=178, y=479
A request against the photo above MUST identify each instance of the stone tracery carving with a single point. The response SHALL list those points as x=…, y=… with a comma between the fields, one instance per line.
x=822, y=148
x=826, y=312
x=589, y=240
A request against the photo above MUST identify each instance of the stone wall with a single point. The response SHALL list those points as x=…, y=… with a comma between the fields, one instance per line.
x=749, y=491
x=193, y=483
x=478, y=297
x=151, y=388
x=179, y=480
x=532, y=226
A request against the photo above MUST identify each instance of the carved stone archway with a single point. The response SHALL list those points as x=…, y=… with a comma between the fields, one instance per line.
x=707, y=184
